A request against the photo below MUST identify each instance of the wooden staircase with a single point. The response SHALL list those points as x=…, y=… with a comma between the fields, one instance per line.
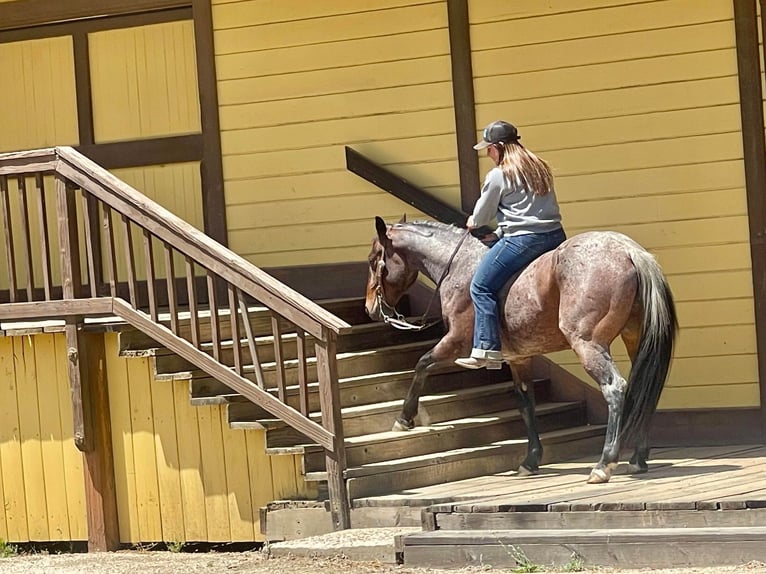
x=468, y=424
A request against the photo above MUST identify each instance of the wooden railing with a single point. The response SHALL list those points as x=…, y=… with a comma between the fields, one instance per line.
x=116, y=252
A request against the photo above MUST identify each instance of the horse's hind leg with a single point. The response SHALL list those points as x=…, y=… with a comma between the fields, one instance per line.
x=598, y=363
x=521, y=378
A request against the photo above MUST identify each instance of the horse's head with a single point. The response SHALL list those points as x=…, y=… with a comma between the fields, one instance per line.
x=390, y=274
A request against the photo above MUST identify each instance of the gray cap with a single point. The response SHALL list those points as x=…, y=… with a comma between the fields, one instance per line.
x=498, y=132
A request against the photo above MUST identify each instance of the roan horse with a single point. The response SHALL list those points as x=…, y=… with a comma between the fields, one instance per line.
x=582, y=295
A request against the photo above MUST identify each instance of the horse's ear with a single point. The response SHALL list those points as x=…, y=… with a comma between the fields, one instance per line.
x=403, y=219
x=381, y=228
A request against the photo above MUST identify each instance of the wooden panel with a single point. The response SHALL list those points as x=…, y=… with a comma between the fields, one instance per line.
x=40, y=110
x=254, y=12
x=392, y=100
x=51, y=438
x=361, y=24
x=243, y=515
x=214, y=474
x=259, y=468
x=29, y=436
x=190, y=463
x=166, y=447
x=357, y=52
x=11, y=466
x=144, y=82
x=73, y=459
x=122, y=442
x=333, y=81
x=562, y=18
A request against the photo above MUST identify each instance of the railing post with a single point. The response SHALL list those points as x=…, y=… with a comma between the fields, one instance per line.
x=329, y=399
x=71, y=285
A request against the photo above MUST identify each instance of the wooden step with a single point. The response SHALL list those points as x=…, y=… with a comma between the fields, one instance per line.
x=132, y=341
x=452, y=434
x=457, y=516
x=633, y=547
x=392, y=358
x=361, y=338
x=400, y=474
x=379, y=417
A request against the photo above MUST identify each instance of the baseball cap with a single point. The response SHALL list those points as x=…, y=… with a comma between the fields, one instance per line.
x=498, y=132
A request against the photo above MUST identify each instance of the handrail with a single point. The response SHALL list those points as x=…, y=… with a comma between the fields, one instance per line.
x=98, y=234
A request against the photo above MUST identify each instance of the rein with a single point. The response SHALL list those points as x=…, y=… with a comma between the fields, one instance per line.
x=392, y=317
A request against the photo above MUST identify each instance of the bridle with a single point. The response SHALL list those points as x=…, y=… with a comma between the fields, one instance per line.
x=389, y=313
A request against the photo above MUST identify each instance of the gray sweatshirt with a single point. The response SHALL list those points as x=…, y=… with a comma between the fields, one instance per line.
x=517, y=211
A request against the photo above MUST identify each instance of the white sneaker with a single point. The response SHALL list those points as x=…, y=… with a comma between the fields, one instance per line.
x=474, y=363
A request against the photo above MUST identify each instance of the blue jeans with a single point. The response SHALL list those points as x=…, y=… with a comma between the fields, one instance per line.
x=505, y=258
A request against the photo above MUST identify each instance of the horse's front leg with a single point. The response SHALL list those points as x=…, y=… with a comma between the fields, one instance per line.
x=445, y=351
x=522, y=376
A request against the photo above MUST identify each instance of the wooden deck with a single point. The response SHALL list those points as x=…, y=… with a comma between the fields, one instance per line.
x=696, y=507
x=717, y=477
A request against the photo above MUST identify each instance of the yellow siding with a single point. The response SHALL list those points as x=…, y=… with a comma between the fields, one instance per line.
x=299, y=81
x=41, y=473
x=182, y=474
x=636, y=107
x=144, y=82
x=39, y=107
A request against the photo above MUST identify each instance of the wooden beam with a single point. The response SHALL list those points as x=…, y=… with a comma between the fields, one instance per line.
x=55, y=309
x=213, y=200
x=98, y=463
x=464, y=102
x=154, y=151
x=28, y=13
x=754, y=148
x=403, y=189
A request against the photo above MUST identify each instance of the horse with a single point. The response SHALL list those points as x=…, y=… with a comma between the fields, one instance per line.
x=582, y=295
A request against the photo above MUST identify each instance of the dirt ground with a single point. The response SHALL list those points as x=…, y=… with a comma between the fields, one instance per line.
x=138, y=562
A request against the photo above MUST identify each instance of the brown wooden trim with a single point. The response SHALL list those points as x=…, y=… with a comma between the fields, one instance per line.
x=83, y=91
x=154, y=151
x=28, y=13
x=703, y=427
x=754, y=148
x=213, y=199
x=464, y=102
x=98, y=463
x=94, y=25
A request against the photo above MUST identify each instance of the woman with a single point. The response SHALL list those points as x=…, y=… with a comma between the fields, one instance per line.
x=518, y=192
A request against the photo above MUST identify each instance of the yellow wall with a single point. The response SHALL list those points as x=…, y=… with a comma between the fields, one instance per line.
x=39, y=107
x=298, y=81
x=636, y=108
x=635, y=105
x=181, y=473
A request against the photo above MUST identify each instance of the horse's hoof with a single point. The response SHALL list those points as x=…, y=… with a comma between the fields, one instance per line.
x=598, y=476
x=524, y=471
x=637, y=468
x=400, y=426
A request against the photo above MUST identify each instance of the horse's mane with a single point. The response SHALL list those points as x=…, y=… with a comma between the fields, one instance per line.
x=437, y=225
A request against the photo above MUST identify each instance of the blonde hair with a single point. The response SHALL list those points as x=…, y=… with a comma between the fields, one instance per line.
x=525, y=169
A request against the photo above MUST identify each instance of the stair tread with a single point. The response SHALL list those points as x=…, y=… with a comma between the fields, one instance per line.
x=455, y=424
x=412, y=462
x=425, y=401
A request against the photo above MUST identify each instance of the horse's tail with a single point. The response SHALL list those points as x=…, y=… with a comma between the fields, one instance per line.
x=650, y=367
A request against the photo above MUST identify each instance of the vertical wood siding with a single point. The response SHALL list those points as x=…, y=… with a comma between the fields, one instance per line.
x=636, y=107
x=39, y=107
x=181, y=473
x=144, y=82
x=41, y=473
x=297, y=82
